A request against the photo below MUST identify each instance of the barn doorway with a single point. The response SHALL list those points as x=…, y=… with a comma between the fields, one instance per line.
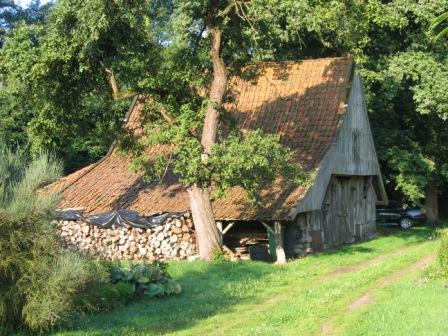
x=246, y=240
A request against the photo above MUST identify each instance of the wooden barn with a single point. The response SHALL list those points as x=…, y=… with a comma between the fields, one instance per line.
x=318, y=109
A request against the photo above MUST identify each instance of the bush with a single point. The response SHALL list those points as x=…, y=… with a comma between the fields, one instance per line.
x=42, y=285
x=55, y=299
x=443, y=253
x=38, y=281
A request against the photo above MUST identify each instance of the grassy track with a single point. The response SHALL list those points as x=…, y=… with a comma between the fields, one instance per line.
x=252, y=298
x=412, y=306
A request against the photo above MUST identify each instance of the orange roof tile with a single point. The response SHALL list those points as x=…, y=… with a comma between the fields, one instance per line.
x=300, y=101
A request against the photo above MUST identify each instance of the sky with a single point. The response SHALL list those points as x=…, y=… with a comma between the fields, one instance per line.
x=25, y=3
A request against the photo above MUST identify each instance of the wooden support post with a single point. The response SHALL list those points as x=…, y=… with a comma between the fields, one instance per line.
x=219, y=225
x=281, y=257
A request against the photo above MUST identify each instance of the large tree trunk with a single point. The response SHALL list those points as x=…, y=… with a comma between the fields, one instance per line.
x=432, y=201
x=208, y=235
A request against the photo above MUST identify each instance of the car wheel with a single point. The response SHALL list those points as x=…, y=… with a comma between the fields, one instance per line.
x=405, y=223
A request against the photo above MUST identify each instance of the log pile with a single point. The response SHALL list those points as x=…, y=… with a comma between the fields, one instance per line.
x=240, y=244
x=173, y=240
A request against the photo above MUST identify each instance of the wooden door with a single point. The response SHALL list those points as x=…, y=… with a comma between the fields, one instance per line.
x=341, y=206
x=348, y=210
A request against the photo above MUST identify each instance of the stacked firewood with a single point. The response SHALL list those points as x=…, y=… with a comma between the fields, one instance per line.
x=247, y=246
x=173, y=240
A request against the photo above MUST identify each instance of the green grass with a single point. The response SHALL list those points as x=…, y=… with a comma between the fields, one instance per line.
x=412, y=306
x=252, y=298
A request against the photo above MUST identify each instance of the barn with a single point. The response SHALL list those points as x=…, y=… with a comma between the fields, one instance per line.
x=318, y=109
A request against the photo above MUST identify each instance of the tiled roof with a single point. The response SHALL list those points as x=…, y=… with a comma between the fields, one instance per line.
x=64, y=182
x=303, y=102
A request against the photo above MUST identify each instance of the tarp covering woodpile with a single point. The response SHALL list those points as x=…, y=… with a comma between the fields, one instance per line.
x=303, y=102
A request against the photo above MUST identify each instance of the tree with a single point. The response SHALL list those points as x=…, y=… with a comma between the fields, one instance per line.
x=191, y=123
x=405, y=73
x=405, y=76
x=171, y=52
x=54, y=92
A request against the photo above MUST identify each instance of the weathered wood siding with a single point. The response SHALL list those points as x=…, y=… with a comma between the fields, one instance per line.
x=347, y=215
x=352, y=154
x=348, y=212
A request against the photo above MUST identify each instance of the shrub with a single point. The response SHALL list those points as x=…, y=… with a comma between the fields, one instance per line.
x=105, y=296
x=38, y=281
x=55, y=299
x=443, y=253
x=42, y=285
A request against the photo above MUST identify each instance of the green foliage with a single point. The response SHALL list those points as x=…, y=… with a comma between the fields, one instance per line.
x=55, y=65
x=174, y=116
x=57, y=100
x=438, y=21
x=150, y=280
x=406, y=74
x=252, y=160
x=443, y=253
x=104, y=297
x=38, y=281
x=54, y=300
x=413, y=172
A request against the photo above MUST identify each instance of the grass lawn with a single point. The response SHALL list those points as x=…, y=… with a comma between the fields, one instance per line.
x=412, y=306
x=300, y=298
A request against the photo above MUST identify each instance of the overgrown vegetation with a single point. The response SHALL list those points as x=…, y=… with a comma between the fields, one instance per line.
x=443, y=253
x=38, y=281
x=66, y=58
x=42, y=285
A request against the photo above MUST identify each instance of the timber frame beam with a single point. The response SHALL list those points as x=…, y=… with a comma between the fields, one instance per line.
x=226, y=229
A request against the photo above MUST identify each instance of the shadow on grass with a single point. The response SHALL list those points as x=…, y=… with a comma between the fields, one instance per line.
x=211, y=289
x=208, y=289
x=414, y=235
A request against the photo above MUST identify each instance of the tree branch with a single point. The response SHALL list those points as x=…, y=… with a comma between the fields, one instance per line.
x=116, y=93
x=227, y=10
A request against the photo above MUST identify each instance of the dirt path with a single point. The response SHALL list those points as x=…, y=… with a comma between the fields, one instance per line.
x=328, y=327
x=365, y=264
x=261, y=306
x=344, y=270
x=341, y=271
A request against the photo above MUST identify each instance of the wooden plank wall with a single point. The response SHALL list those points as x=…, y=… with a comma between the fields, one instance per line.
x=352, y=154
x=347, y=214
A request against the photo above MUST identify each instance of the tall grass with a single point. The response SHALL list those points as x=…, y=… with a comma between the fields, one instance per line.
x=443, y=253
x=38, y=280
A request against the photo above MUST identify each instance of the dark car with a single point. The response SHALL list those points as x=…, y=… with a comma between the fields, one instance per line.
x=401, y=214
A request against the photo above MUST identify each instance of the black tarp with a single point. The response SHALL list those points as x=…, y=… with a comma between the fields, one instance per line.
x=69, y=215
x=119, y=218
